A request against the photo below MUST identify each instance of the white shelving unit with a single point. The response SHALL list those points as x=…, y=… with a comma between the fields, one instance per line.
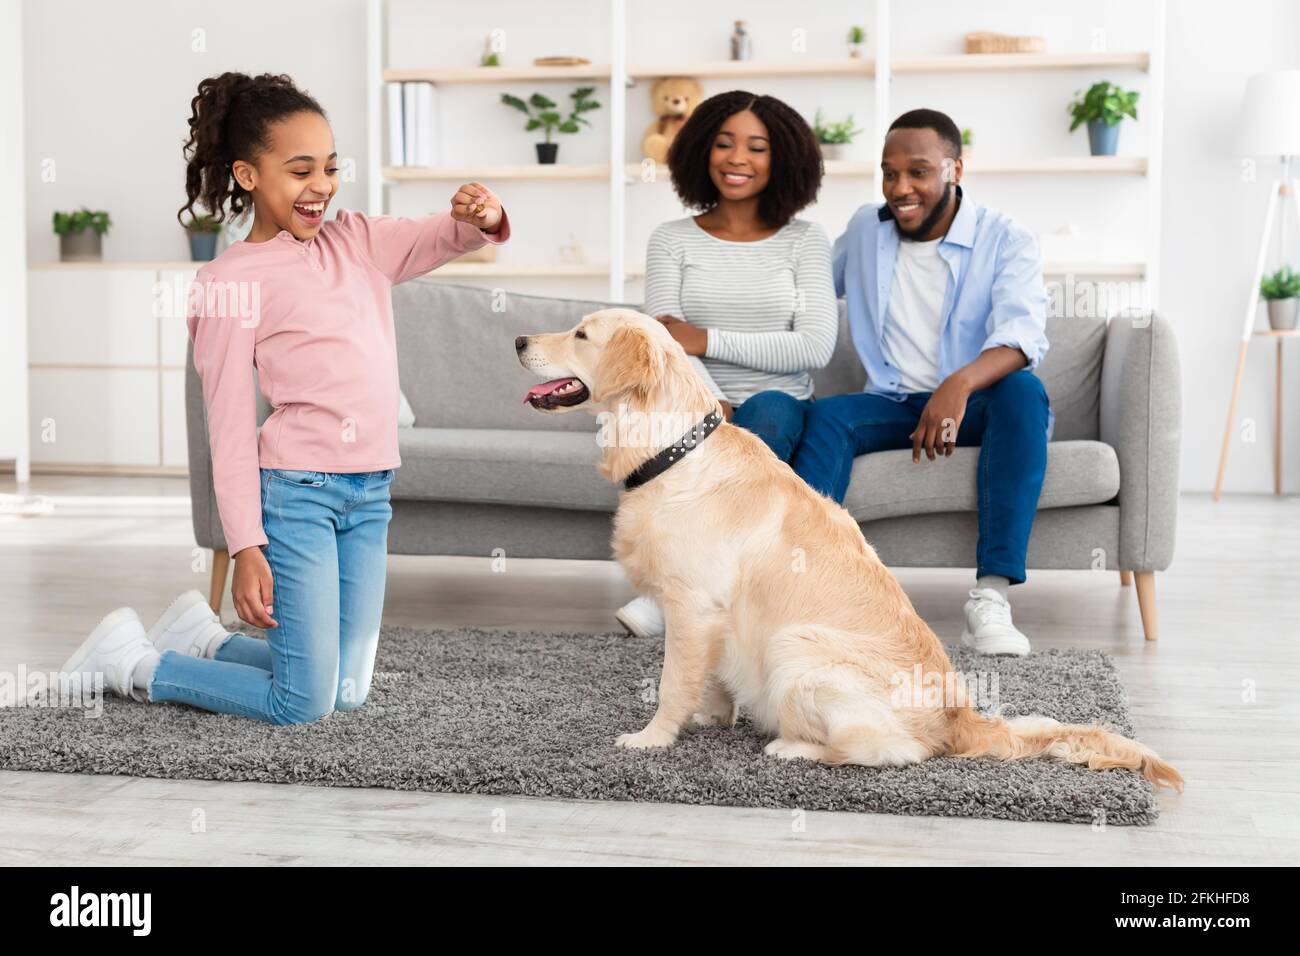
x=131, y=358
x=1134, y=165
x=622, y=171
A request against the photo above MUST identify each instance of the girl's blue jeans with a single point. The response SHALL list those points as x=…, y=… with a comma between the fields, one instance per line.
x=327, y=546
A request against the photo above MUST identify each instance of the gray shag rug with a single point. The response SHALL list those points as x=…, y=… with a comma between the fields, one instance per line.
x=503, y=712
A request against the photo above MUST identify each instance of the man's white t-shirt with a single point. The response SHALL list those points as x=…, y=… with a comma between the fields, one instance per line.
x=915, y=317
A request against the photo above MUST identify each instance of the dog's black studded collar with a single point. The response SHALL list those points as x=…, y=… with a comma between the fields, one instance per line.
x=674, y=452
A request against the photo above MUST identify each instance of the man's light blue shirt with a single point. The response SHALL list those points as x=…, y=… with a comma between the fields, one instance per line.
x=995, y=295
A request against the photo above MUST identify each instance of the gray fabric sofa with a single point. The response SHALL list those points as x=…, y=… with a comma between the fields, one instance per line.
x=481, y=471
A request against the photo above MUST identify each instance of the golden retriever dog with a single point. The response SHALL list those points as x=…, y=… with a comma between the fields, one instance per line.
x=773, y=600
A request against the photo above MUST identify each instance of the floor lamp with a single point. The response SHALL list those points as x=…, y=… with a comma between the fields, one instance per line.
x=1270, y=126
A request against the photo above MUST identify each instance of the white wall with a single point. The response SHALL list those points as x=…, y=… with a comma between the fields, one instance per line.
x=108, y=90
x=13, y=253
x=108, y=96
x=1212, y=218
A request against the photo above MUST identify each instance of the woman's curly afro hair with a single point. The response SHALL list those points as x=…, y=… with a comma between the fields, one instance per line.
x=796, y=159
x=228, y=121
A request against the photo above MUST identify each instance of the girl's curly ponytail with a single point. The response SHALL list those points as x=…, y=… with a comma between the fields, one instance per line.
x=228, y=121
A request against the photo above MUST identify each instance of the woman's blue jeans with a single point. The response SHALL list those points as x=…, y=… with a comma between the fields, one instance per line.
x=327, y=545
x=775, y=417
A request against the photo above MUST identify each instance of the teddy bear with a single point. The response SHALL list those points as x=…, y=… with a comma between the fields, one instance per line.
x=673, y=99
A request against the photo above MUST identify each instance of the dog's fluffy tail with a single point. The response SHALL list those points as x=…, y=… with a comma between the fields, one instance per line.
x=973, y=735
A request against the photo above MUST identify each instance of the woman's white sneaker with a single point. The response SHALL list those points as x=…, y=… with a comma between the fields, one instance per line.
x=988, y=625
x=642, y=617
x=189, y=626
x=114, y=648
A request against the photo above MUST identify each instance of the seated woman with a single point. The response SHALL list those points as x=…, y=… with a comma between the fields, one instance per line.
x=744, y=286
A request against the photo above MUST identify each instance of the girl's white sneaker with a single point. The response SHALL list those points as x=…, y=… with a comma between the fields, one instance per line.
x=642, y=616
x=114, y=648
x=189, y=626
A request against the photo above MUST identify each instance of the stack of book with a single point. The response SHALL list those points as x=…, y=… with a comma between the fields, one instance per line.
x=411, y=124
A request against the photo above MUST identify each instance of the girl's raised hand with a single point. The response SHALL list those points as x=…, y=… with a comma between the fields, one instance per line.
x=476, y=204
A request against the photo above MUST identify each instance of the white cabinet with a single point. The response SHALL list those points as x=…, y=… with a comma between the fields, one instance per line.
x=99, y=317
x=106, y=362
x=173, y=335
x=94, y=416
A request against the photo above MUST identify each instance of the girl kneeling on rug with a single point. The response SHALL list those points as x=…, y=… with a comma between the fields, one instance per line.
x=304, y=505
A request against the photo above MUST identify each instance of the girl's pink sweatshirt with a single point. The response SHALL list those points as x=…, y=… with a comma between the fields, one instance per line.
x=316, y=319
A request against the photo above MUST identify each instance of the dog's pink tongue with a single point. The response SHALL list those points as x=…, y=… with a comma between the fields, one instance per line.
x=545, y=388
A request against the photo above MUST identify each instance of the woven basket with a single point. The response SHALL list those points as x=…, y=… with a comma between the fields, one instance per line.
x=1001, y=43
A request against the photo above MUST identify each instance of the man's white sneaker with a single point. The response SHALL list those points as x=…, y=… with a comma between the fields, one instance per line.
x=189, y=626
x=988, y=625
x=642, y=616
x=114, y=648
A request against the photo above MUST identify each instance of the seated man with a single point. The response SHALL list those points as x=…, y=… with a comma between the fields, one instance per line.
x=947, y=309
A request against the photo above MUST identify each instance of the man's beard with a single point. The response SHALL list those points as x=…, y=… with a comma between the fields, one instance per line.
x=928, y=223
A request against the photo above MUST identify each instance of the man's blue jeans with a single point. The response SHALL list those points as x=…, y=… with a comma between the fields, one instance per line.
x=327, y=545
x=1008, y=421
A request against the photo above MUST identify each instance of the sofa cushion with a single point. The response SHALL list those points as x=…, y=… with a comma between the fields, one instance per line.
x=458, y=367
x=546, y=469
x=844, y=372
x=456, y=355
x=1071, y=374
x=1078, y=473
x=503, y=466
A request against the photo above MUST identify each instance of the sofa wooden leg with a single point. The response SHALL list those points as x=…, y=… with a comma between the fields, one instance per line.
x=1146, y=588
x=220, y=565
x=1125, y=578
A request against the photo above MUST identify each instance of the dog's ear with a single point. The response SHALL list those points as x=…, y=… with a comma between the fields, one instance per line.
x=629, y=363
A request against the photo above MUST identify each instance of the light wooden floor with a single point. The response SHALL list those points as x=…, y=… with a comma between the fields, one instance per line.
x=1217, y=696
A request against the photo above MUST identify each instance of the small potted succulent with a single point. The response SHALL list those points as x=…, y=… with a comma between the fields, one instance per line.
x=489, y=56
x=203, y=232
x=1102, y=108
x=548, y=118
x=1280, y=291
x=81, y=234
x=857, y=38
x=835, y=138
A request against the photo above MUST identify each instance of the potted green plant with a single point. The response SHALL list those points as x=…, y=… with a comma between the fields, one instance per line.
x=548, y=117
x=835, y=138
x=1102, y=108
x=203, y=232
x=81, y=234
x=1280, y=291
x=967, y=141
x=857, y=37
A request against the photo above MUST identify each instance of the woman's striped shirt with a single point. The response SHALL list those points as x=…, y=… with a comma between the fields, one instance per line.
x=769, y=306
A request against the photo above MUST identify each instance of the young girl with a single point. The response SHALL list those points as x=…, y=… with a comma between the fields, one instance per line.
x=304, y=504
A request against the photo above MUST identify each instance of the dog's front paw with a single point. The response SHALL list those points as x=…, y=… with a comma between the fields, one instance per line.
x=650, y=737
x=702, y=719
x=784, y=749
